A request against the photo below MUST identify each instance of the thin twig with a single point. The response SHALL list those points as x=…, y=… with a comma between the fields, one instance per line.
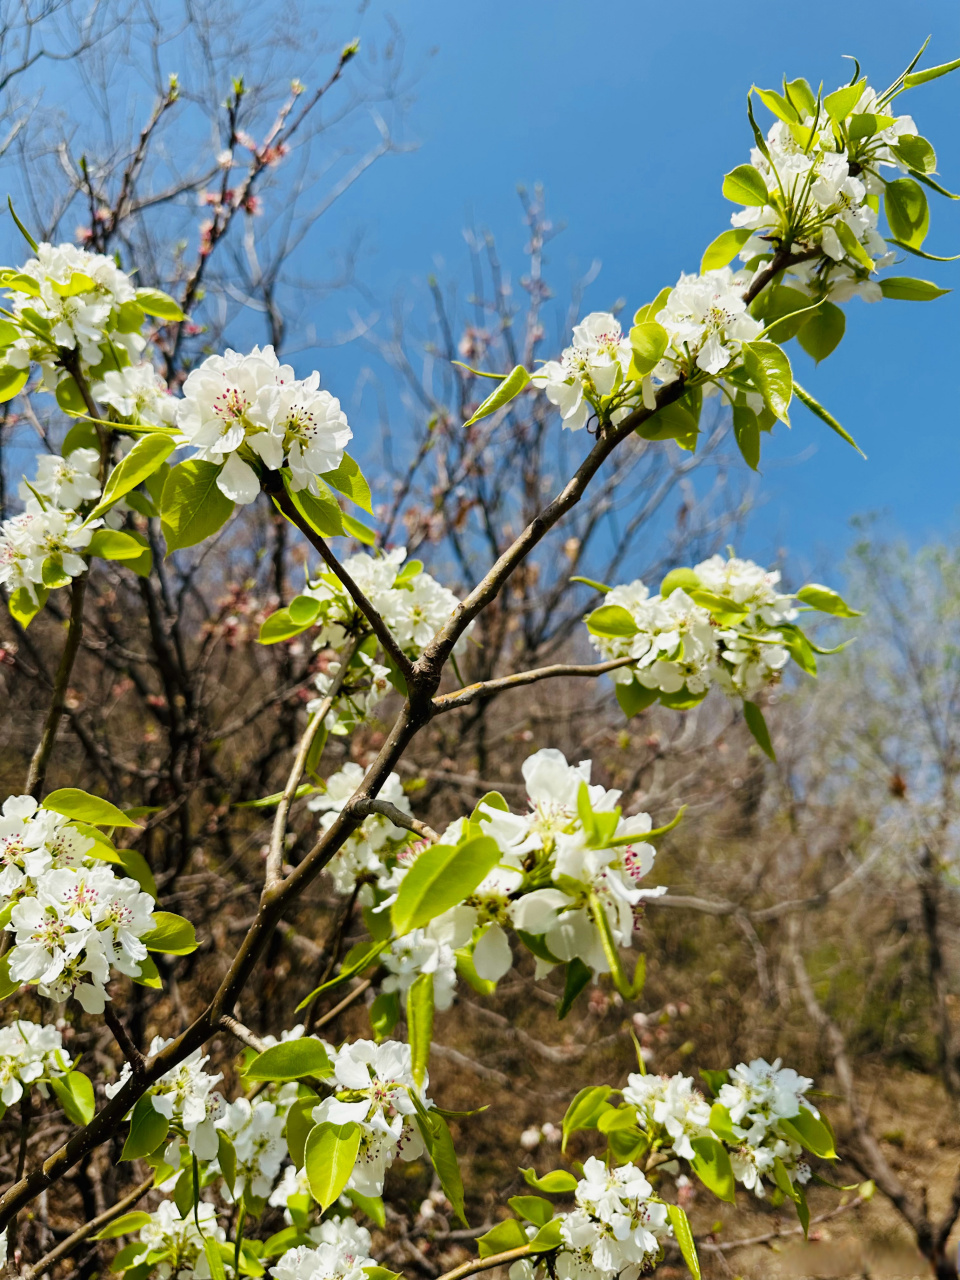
x=400, y=819
x=485, y=688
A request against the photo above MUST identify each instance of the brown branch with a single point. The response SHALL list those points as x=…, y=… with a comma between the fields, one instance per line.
x=487, y=688
x=486, y=1264
x=130, y=1051
x=274, y=873
x=396, y=816
x=88, y=1229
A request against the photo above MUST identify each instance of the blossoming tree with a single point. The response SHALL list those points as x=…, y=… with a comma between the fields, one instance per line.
x=284, y=1176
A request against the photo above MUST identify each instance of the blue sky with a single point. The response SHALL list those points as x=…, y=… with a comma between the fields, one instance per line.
x=630, y=113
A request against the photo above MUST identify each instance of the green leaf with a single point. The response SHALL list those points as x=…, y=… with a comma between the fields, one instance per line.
x=171, y=934
x=852, y=246
x=291, y=1060
x=69, y=396
x=125, y=1225
x=866, y=124
x=778, y=104
x=227, y=1159
x=820, y=412
x=349, y=479
x=652, y=309
x=356, y=960
x=509, y=389
x=635, y=697
x=916, y=153
x=576, y=978
x=811, y=1133
x=801, y=96
x=372, y=1206
x=799, y=647
x=782, y=1178
x=75, y=1094
x=154, y=302
x=907, y=212
x=548, y=1238
x=721, y=1124
x=931, y=73
x=714, y=1080
x=149, y=975
x=380, y=1273
x=746, y=432
x=146, y=457
x=29, y=238
x=556, y=1183
x=442, y=876
x=357, y=529
x=726, y=247
x=12, y=381
x=711, y=1164
x=534, y=1208
x=684, y=1238
x=839, y=104
x=922, y=253
x=677, y=421
x=82, y=435
x=504, y=1236
x=7, y=985
x=907, y=289
x=611, y=620
x=826, y=601
x=590, y=582
x=384, y=1014
x=113, y=544
x=191, y=506
x=23, y=608
x=329, y=1158
x=420, y=1025
x=758, y=727
x=744, y=185
x=130, y=317
x=147, y=1130
x=769, y=370
x=823, y=331
x=584, y=1111
x=648, y=341
x=73, y=803
x=211, y=1248
x=322, y=513
x=300, y=1123
x=684, y=579
x=281, y=626
x=436, y=1136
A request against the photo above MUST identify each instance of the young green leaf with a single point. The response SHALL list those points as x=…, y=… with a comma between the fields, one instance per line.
x=907, y=211
x=12, y=381
x=758, y=727
x=811, y=1133
x=291, y=1060
x=744, y=185
x=154, y=302
x=823, y=331
x=684, y=1238
x=126, y=1225
x=73, y=803
x=576, y=977
x=330, y=1156
x=442, y=876
x=839, y=104
x=556, y=1183
x=192, y=507
x=420, y=1025
x=348, y=479
x=769, y=370
x=907, y=289
x=534, y=1208
x=724, y=248
x=820, y=412
x=931, y=73
x=504, y=1236
x=508, y=390
x=321, y=512
x=585, y=1111
x=357, y=529
x=114, y=544
x=648, y=341
x=826, y=601
x=147, y=456
x=611, y=620
x=711, y=1164
x=635, y=697
x=171, y=934
x=75, y=1094
x=147, y=1130
x=746, y=432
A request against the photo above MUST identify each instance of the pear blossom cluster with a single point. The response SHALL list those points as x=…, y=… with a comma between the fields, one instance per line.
x=173, y=1242
x=72, y=919
x=76, y=301
x=592, y=368
x=814, y=178
x=618, y=1228
x=706, y=321
x=411, y=602
x=30, y=1055
x=247, y=412
x=543, y=885
x=42, y=545
x=678, y=643
x=365, y=852
x=256, y=1130
x=757, y=1096
x=669, y=1108
x=342, y=1251
x=186, y=1097
x=373, y=1087
x=365, y=687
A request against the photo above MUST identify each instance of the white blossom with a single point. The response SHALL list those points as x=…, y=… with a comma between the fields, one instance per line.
x=29, y=1053
x=66, y=481
x=39, y=535
x=672, y=1103
x=594, y=366
x=364, y=852
x=185, y=1096
x=341, y=1253
x=706, y=320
